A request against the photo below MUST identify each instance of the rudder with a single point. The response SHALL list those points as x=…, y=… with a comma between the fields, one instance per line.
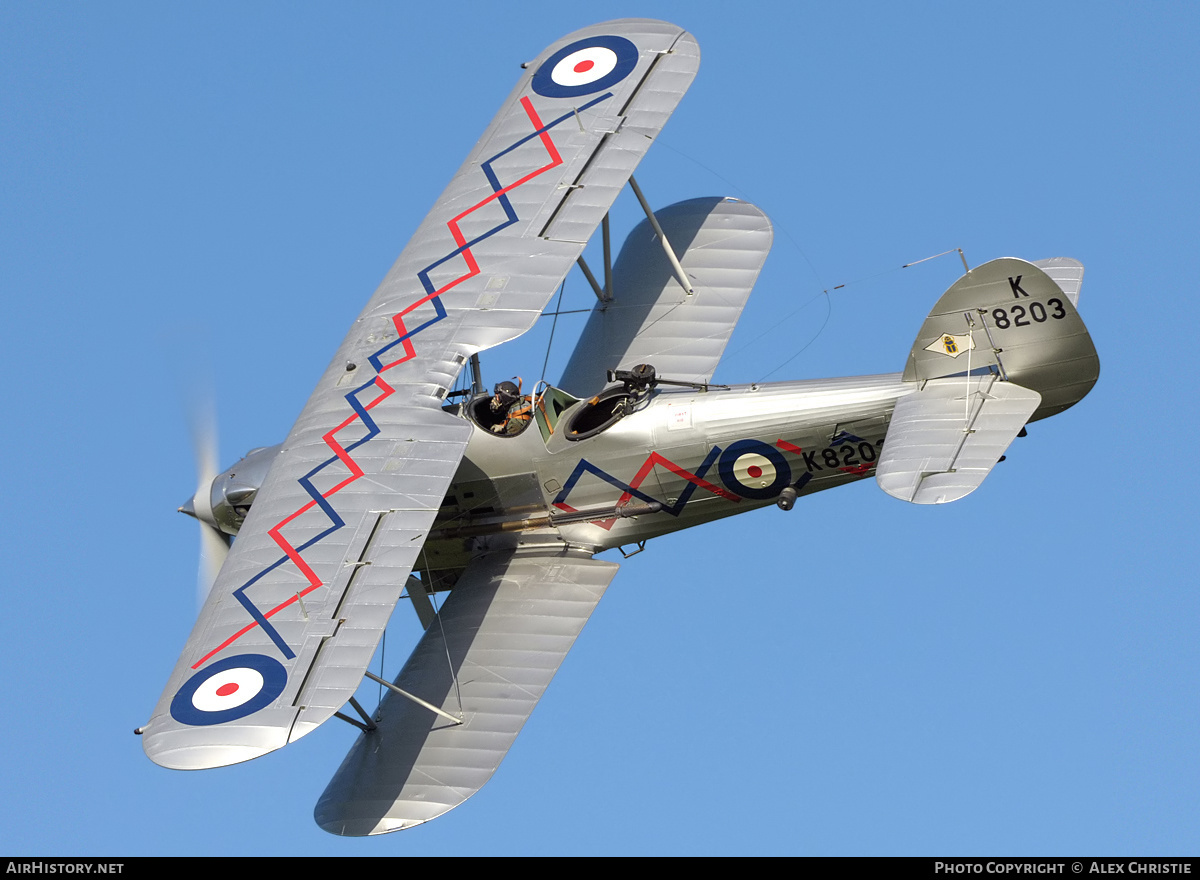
x=1011, y=316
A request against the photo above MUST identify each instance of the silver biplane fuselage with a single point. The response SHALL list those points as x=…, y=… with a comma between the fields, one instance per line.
x=696, y=455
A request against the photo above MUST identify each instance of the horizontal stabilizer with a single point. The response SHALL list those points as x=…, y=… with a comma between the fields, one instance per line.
x=504, y=631
x=945, y=438
x=1066, y=273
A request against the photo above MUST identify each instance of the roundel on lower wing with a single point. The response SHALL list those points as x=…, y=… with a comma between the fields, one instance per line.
x=753, y=469
x=229, y=689
x=586, y=66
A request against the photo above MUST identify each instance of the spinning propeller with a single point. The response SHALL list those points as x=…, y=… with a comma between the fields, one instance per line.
x=214, y=543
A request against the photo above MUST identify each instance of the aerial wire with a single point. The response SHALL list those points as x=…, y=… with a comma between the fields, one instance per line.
x=825, y=291
x=743, y=195
x=820, y=330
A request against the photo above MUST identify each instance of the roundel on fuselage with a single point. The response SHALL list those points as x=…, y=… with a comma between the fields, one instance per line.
x=752, y=469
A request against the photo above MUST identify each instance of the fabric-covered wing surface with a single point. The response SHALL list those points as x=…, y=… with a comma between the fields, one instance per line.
x=722, y=245
x=298, y=608
x=505, y=629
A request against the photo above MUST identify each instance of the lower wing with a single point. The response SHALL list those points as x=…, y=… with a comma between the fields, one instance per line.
x=468, y=689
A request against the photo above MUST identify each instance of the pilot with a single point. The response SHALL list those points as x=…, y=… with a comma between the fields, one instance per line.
x=511, y=411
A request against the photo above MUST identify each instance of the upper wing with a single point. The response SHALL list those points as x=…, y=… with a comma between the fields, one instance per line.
x=487, y=658
x=722, y=245
x=297, y=610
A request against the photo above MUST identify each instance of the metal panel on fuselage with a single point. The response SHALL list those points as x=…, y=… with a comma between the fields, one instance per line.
x=701, y=455
x=716, y=453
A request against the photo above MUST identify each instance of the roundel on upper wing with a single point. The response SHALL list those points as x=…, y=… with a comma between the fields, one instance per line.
x=752, y=469
x=229, y=689
x=586, y=66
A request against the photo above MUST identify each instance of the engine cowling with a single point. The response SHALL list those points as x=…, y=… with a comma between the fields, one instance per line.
x=231, y=493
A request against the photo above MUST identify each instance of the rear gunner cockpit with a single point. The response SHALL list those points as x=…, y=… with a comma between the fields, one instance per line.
x=600, y=413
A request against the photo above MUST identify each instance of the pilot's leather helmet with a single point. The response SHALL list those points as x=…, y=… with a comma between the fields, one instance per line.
x=506, y=394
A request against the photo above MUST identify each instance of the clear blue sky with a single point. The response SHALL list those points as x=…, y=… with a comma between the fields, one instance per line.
x=218, y=188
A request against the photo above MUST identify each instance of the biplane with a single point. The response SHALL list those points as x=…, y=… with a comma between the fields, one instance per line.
x=391, y=484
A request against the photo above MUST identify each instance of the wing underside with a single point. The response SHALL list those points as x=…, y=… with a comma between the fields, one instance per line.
x=298, y=608
x=487, y=658
x=723, y=244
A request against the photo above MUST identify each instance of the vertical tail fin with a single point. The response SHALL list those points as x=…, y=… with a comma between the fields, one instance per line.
x=1013, y=317
x=1002, y=347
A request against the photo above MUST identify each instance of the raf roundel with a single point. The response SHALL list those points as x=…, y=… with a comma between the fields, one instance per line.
x=753, y=469
x=586, y=66
x=229, y=689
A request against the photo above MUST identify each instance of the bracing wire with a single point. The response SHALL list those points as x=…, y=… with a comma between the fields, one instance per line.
x=553, y=326
x=437, y=616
